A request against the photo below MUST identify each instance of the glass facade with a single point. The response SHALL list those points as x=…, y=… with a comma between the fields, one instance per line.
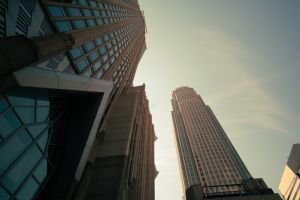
x=25, y=128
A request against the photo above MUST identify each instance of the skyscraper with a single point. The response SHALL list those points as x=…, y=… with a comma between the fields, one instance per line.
x=64, y=65
x=210, y=166
x=289, y=185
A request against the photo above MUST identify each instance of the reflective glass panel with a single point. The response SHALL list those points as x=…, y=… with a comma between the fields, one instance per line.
x=26, y=114
x=93, y=56
x=13, y=148
x=28, y=190
x=99, y=41
x=87, y=12
x=41, y=171
x=63, y=26
x=3, y=104
x=8, y=123
x=91, y=22
x=81, y=65
x=89, y=46
x=76, y=52
x=56, y=11
x=3, y=194
x=13, y=179
x=74, y=12
x=78, y=24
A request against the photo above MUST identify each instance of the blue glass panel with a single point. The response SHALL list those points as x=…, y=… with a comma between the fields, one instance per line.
x=74, y=12
x=99, y=41
x=42, y=114
x=83, y=2
x=3, y=104
x=8, y=123
x=100, y=5
x=56, y=11
x=97, y=66
x=28, y=190
x=63, y=26
x=99, y=21
x=13, y=179
x=42, y=142
x=88, y=73
x=102, y=50
x=87, y=12
x=93, y=3
x=11, y=150
x=81, y=65
x=103, y=13
x=106, y=38
x=76, y=52
x=89, y=46
x=26, y=114
x=93, y=56
x=43, y=102
x=41, y=171
x=3, y=194
x=21, y=101
x=36, y=129
x=105, y=21
x=79, y=24
x=91, y=22
x=96, y=12
x=108, y=45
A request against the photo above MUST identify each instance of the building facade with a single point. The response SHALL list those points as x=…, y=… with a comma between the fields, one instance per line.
x=64, y=65
x=124, y=164
x=289, y=186
x=210, y=166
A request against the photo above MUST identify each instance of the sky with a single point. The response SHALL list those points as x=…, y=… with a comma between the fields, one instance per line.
x=243, y=58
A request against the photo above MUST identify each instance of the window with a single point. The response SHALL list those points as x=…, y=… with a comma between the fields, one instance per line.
x=89, y=46
x=79, y=24
x=81, y=65
x=74, y=12
x=91, y=22
x=63, y=26
x=56, y=11
x=76, y=52
x=99, y=41
x=100, y=74
x=83, y=2
x=93, y=3
x=96, y=12
x=87, y=12
x=106, y=38
x=94, y=56
x=99, y=21
x=102, y=50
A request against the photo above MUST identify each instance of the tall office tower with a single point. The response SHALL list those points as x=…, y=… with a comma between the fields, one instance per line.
x=63, y=65
x=124, y=165
x=289, y=186
x=210, y=166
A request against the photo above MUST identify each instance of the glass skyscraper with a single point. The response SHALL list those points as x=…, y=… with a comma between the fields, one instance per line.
x=63, y=65
x=210, y=166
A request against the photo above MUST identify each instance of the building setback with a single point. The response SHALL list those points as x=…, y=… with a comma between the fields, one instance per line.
x=64, y=65
x=210, y=166
x=289, y=186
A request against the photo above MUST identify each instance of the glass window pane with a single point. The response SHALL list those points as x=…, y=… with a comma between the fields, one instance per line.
x=96, y=12
x=13, y=148
x=97, y=66
x=83, y=2
x=99, y=75
x=75, y=53
x=105, y=58
x=3, y=194
x=21, y=101
x=78, y=24
x=106, y=38
x=42, y=142
x=99, y=41
x=8, y=123
x=41, y=171
x=26, y=114
x=13, y=179
x=43, y=102
x=87, y=12
x=81, y=65
x=42, y=114
x=36, y=129
x=102, y=50
x=3, y=104
x=74, y=12
x=93, y=3
x=93, y=56
x=89, y=46
x=56, y=11
x=28, y=190
x=99, y=21
x=91, y=22
x=63, y=26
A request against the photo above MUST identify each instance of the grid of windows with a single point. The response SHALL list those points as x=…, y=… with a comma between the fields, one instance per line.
x=24, y=138
x=72, y=16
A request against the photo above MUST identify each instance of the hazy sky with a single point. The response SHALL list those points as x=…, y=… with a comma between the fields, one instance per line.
x=243, y=58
